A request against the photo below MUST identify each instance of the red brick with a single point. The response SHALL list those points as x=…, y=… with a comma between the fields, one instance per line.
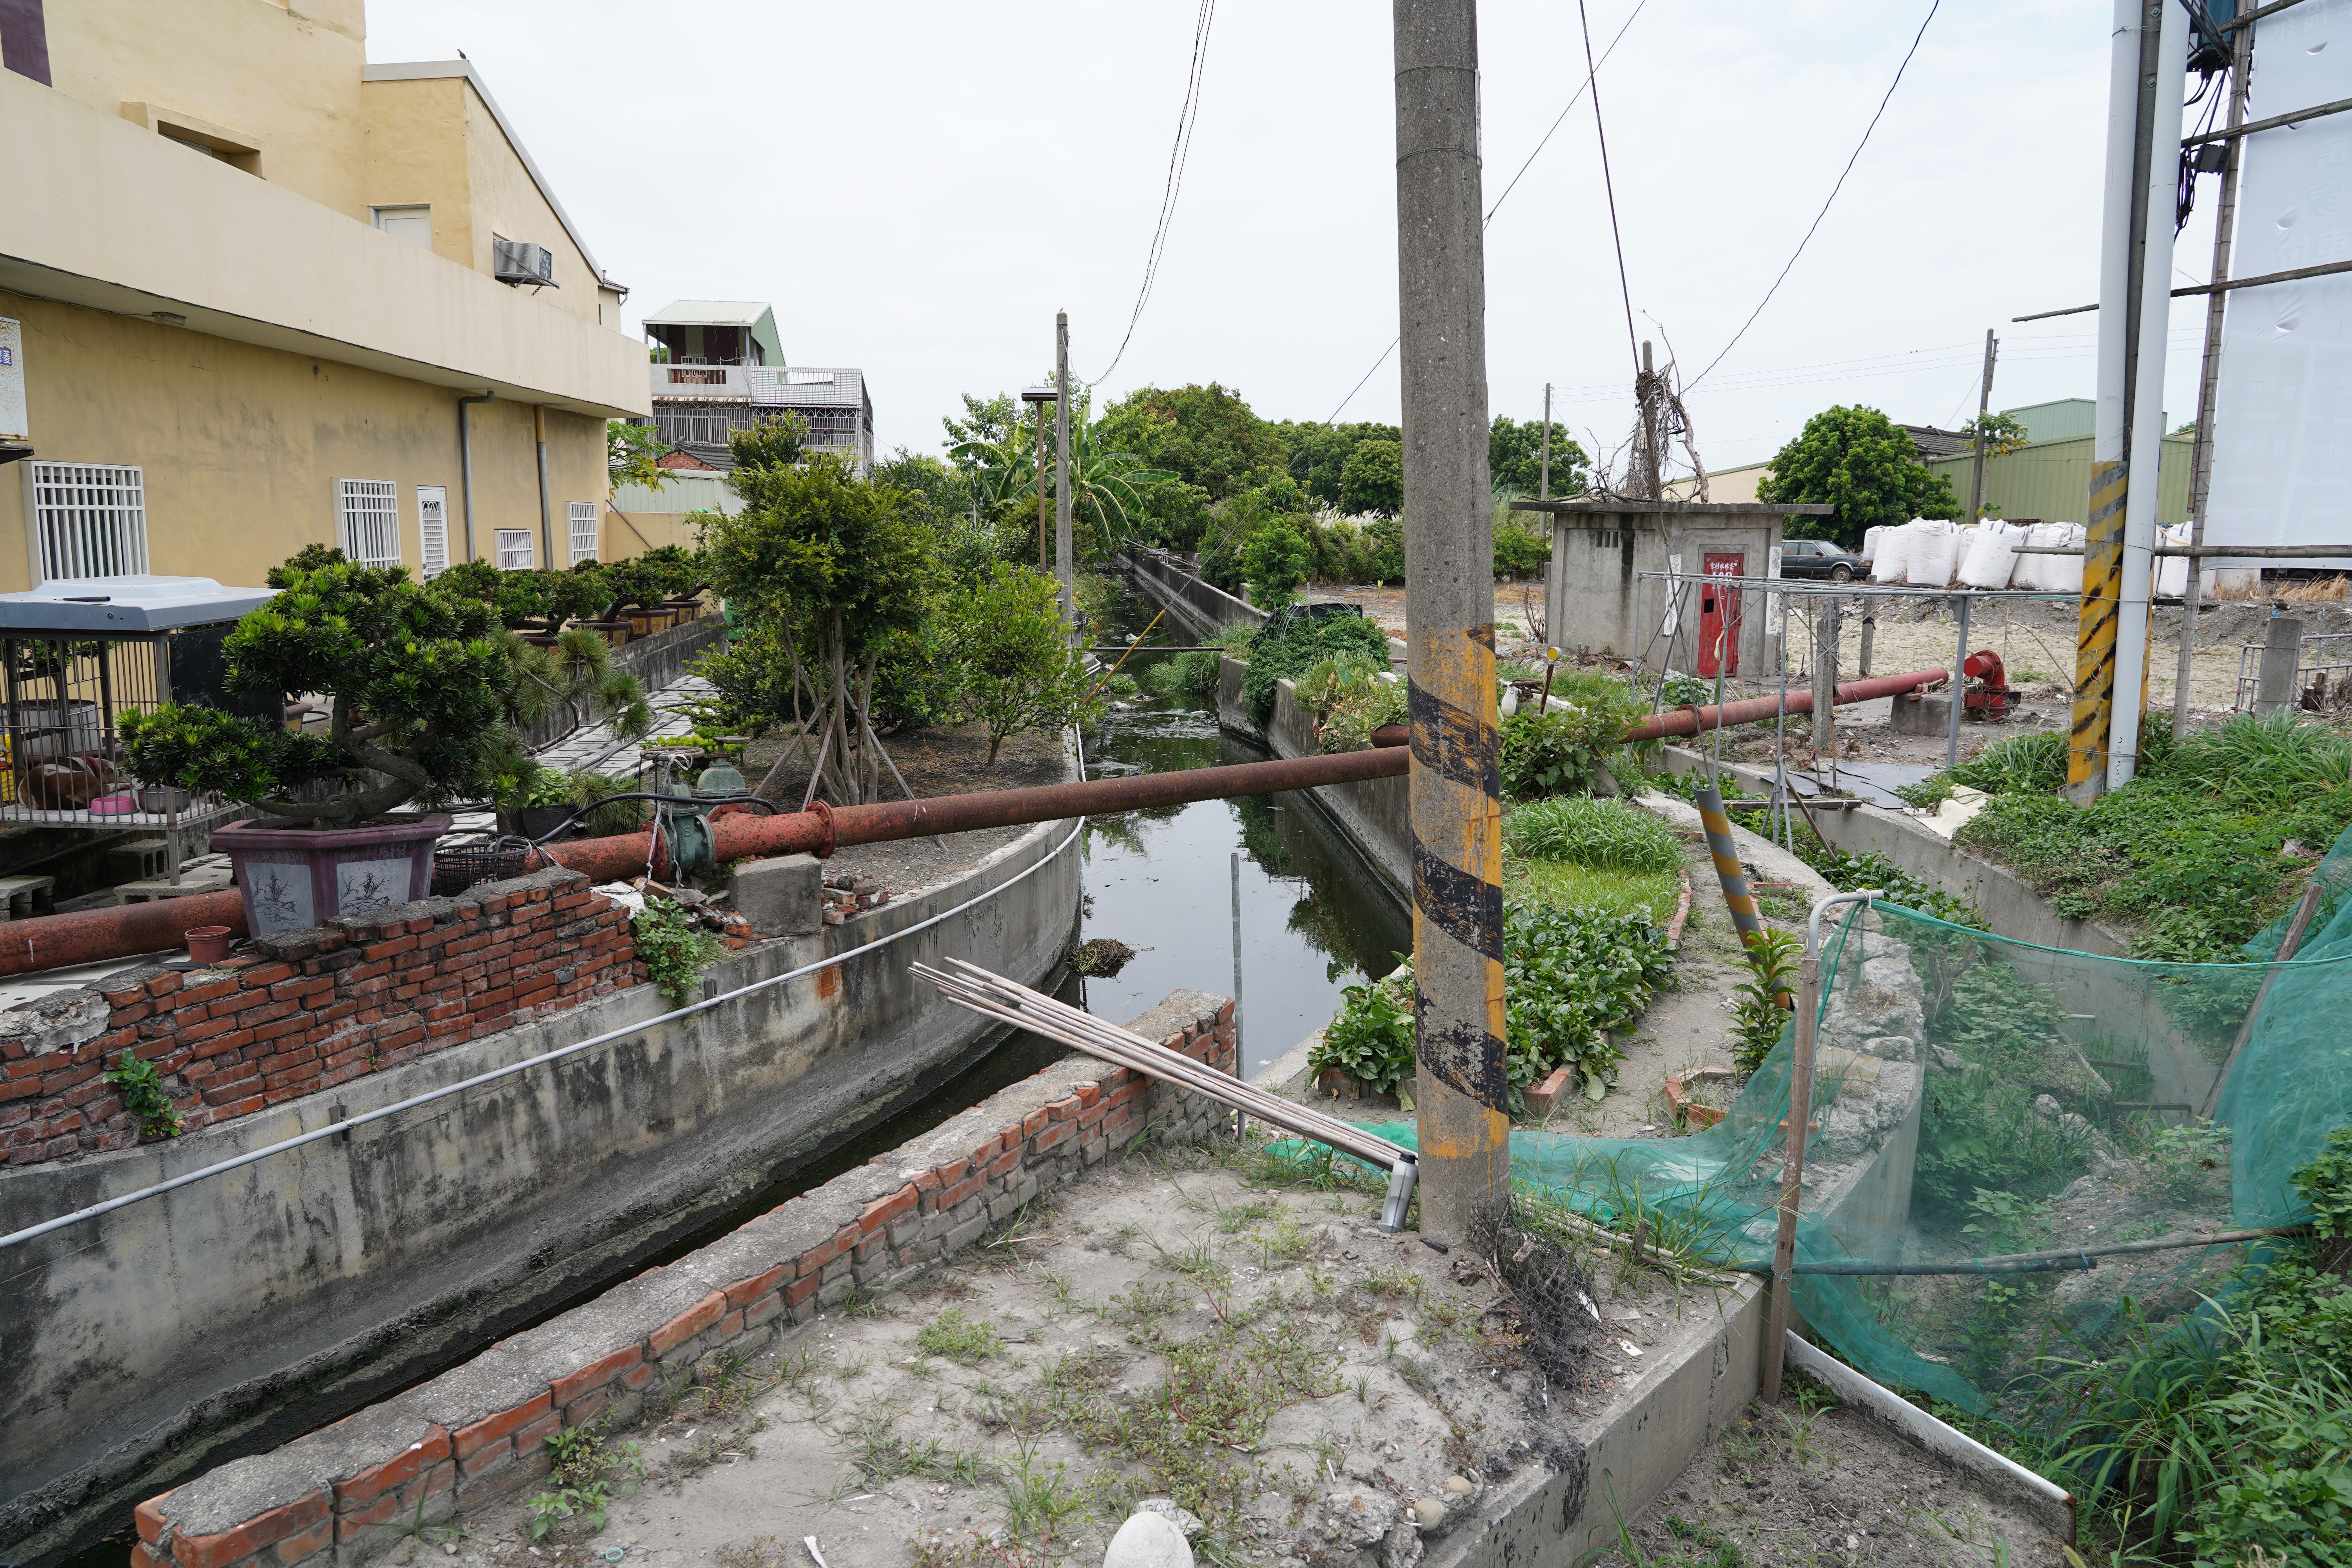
x=596, y=1373
x=951, y=1196
x=686, y=1324
x=1060, y=1132
x=295, y=1548
x=384, y=1510
x=529, y=1440
x=144, y=1556
x=149, y=1518
x=926, y=1182
x=262, y=1531
x=743, y=1290
x=1033, y=1123
x=1009, y=1160
x=382, y=1480
x=163, y=984
x=465, y=1440
x=801, y=1290
x=882, y=1211
x=382, y=949
x=1061, y=1109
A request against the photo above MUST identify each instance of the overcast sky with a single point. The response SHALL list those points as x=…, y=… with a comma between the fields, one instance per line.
x=918, y=186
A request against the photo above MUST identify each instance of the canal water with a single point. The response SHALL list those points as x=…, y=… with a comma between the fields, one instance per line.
x=1314, y=916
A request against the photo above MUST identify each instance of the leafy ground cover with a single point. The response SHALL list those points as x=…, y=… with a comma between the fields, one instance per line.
x=2208, y=843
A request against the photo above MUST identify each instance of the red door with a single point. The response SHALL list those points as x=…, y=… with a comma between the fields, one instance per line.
x=1719, y=614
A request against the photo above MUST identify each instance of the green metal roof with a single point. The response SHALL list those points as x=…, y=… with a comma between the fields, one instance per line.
x=2052, y=480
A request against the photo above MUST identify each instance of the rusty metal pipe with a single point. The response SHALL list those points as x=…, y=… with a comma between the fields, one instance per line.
x=1691, y=721
x=93, y=936
x=745, y=837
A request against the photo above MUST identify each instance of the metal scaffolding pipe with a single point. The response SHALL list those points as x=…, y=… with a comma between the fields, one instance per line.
x=93, y=936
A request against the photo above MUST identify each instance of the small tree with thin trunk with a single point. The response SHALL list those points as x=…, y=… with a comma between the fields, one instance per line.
x=1014, y=661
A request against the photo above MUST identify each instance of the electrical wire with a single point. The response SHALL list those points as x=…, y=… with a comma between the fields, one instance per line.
x=1576, y=98
x=1178, y=156
x=1608, y=185
x=1825, y=206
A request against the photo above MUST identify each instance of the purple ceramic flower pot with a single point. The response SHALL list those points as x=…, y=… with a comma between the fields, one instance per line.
x=294, y=878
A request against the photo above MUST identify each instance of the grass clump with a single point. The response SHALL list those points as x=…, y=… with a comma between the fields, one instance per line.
x=1290, y=644
x=1563, y=884
x=965, y=1340
x=1606, y=834
x=1192, y=677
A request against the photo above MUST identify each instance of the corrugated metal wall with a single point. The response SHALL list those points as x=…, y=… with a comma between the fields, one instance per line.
x=2051, y=480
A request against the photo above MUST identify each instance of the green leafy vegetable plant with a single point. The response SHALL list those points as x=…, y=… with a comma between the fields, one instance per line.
x=1372, y=1039
x=1762, y=1010
x=1604, y=833
x=586, y=1461
x=1563, y=751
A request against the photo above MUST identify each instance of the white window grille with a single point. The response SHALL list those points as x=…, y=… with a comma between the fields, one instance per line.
x=514, y=549
x=433, y=530
x=583, y=532
x=368, y=510
x=89, y=520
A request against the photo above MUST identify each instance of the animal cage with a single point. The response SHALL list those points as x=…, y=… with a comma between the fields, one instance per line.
x=75, y=656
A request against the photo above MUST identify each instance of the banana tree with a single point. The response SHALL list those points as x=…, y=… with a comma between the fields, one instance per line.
x=1107, y=487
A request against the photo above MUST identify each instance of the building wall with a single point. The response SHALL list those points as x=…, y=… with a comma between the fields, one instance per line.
x=637, y=519
x=2052, y=480
x=1597, y=600
x=241, y=445
x=416, y=157
x=282, y=74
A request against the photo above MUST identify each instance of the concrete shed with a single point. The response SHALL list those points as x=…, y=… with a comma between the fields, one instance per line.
x=1595, y=598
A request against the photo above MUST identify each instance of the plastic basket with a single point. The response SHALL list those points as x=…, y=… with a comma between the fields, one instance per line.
x=457, y=866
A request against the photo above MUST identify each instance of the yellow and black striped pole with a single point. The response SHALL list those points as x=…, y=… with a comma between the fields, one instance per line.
x=1728, y=872
x=1457, y=851
x=2095, y=637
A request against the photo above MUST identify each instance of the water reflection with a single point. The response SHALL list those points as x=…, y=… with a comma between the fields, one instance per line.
x=1314, y=914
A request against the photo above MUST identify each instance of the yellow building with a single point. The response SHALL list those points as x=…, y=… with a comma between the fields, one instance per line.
x=270, y=295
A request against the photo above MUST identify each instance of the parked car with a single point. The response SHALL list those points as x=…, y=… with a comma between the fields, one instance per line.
x=1820, y=558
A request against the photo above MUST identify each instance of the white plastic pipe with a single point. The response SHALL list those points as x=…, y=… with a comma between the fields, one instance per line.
x=2147, y=398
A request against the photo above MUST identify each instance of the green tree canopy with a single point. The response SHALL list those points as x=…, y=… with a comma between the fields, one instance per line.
x=1205, y=436
x=630, y=452
x=1318, y=452
x=1014, y=664
x=1515, y=457
x=1275, y=559
x=2005, y=432
x=1373, y=480
x=842, y=568
x=1858, y=461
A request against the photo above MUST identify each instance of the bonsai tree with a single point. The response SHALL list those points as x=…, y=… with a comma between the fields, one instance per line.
x=839, y=568
x=419, y=686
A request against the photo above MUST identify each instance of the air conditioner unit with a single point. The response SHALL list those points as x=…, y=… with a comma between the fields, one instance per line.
x=521, y=261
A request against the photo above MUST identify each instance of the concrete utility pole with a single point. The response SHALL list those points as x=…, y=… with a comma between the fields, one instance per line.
x=1063, y=565
x=1044, y=530
x=1457, y=851
x=2130, y=79
x=1984, y=407
x=1543, y=481
x=2208, y=380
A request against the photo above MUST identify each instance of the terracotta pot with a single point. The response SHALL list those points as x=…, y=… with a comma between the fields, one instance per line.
x=294, y=878
x=208, y=944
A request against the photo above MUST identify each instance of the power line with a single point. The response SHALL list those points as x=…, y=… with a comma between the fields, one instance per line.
x=1608, y=185
x=1825, y=206
x=1577, y=97
x=1178, y=155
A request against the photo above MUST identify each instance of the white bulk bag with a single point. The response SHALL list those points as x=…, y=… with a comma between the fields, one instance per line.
x=2066, y=571
x=2171, y=575
x=1935, y=553
x=1992, y=555
x=1888, y=552
x=2035, y=571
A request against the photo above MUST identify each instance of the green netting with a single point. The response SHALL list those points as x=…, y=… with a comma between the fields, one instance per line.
x=1977, y=1098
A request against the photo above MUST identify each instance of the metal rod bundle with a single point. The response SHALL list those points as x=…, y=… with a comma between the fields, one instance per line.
x=1017, y=1004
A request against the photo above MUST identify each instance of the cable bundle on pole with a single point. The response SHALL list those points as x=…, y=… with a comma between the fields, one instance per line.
x=1016, y=1004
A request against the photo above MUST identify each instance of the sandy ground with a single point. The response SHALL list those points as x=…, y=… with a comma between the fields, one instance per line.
x=988, y=1412
x=1813, y=1483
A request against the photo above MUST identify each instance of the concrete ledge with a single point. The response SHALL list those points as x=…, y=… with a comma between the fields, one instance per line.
x=144, y=1343
x=475, y=1435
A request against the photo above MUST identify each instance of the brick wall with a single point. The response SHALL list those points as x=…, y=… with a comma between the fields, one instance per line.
x=477, y=1434
x=303, y=1011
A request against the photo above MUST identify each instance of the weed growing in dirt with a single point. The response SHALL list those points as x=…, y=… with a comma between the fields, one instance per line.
x=587, y=1463
x=965, y=1340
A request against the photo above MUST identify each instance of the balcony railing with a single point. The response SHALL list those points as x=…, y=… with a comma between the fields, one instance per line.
x=718, y=382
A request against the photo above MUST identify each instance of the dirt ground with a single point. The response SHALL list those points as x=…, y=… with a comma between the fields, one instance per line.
x=934, y=762
x=1815, y=1482
x=1014, y=1406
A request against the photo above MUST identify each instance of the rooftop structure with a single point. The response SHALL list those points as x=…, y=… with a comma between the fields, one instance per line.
x=720, y=366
